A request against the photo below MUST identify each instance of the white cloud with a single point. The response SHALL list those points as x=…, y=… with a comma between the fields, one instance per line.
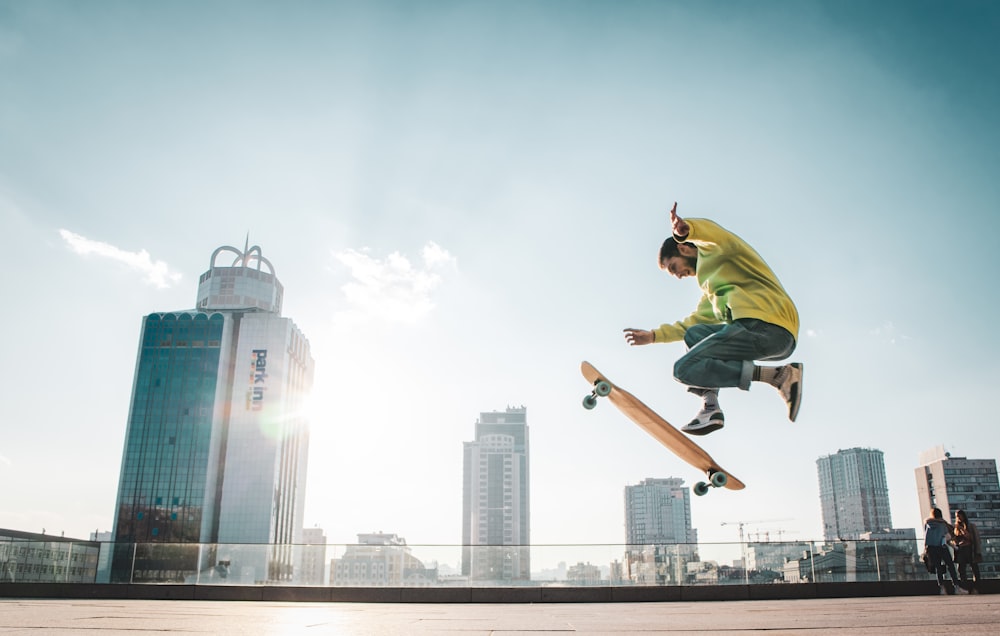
x=392, y=289
x=156, y=273
x=887, y=332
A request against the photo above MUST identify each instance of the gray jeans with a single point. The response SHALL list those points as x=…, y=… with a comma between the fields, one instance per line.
x=722, y=355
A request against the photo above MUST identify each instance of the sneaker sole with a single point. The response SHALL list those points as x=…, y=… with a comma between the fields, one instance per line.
x=793, y=410
x=704, y=430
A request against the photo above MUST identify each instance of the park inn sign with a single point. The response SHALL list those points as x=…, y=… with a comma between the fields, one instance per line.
x=258, y=380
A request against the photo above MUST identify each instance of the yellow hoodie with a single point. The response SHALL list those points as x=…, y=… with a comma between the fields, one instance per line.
x=735, y=283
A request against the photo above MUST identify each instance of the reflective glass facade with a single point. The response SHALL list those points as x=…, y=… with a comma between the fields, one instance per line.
x=163, y=490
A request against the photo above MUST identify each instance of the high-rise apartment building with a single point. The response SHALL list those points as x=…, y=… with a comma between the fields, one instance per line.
x=216, y=445
x=496, y=520
x=957, y=483
x=658, y=530
x=658, y=511
x=853, y=493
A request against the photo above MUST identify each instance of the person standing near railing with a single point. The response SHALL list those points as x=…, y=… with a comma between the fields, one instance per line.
x=968, y=549
x=936, y=533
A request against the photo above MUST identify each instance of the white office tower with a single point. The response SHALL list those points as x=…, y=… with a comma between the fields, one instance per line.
x=853, y=494
x=495, y=499
x=217, y=445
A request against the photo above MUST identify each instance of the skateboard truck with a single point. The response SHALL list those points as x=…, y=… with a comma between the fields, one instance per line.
x=716, y=479
x=601, y=388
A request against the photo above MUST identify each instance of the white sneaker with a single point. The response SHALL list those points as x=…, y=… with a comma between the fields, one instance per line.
x=705, y=422
x=788, y=381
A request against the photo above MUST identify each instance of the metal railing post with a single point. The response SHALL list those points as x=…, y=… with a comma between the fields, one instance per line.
x=131, y=574
x=878, y=566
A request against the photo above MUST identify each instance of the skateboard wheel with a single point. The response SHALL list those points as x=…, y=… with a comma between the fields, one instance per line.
x=700, y=488
x=589, y=402
x=718, y=479
x=602, y=388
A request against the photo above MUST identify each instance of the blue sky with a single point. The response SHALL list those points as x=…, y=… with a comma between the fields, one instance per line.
x=465, y=199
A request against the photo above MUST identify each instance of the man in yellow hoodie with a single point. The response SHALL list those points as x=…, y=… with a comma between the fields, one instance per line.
x=744, y=315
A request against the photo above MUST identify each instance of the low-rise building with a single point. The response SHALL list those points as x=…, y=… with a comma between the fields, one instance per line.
x=583, y=574
x=28, y=557
x=377, y=560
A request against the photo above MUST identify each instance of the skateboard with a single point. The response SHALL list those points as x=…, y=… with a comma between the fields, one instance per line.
x=659, y=428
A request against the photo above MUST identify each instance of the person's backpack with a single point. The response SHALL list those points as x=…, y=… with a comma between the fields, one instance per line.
x=931, y=567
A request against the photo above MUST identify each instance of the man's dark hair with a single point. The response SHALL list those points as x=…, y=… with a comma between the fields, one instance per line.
x=936, y=513
x=669, y=248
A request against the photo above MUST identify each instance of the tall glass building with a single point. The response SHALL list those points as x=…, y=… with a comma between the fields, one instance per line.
x=496, y=518
x=213, y=472
x=853, y=494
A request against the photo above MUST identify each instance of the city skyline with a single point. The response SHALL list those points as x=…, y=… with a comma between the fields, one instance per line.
x=970, y=484
x=465, y=200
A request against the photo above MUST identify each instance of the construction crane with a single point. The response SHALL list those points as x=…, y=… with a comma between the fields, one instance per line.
x=741, y=524
x=743, y=545
x=767, y=534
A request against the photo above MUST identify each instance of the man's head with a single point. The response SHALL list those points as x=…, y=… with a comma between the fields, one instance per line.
x=680, y=259
x=936, y=513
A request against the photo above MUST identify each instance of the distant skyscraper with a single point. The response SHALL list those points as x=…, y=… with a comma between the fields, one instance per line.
x=216, y=448
x=658, y=511
x=956, y=483
x=661, y=540
x=496, y=517
x=853, y=493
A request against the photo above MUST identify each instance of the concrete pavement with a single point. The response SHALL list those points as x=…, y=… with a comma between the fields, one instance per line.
x=963, y=614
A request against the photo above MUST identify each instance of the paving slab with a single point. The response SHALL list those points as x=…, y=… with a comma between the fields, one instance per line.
x=964, y=614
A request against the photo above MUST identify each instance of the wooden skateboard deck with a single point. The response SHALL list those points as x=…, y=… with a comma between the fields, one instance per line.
x=676, y=441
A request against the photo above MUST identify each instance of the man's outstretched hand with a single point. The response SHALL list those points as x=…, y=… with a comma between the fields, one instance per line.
x=679, y=226
x=638, y=336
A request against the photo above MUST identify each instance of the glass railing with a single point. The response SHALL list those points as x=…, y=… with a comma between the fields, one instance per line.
x=402, y=565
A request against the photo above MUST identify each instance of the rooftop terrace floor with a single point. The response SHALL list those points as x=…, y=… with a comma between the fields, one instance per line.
x=964, y=614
